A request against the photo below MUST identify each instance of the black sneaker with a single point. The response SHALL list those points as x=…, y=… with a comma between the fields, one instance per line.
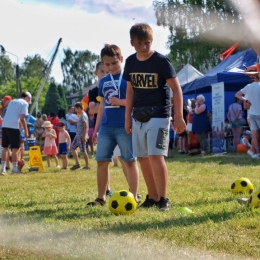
x=163, y=204
x=108, y=193
x=148, y=203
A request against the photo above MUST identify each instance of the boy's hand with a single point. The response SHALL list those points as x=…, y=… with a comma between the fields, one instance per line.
x=68, y=148
x=128, y=126
x=179, y=125
x=94, y=138
x=113, y=101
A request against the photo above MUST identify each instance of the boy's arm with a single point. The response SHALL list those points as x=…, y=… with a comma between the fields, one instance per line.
x=53, y=134
x=69, y=140
x=179, y=124
x=85, y=125
x=93, y=107
x=129, y=107
x=99, y=119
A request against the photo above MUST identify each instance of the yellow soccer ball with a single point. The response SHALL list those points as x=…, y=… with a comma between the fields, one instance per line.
x=122, y=202
x=254, y=201
x=242, y=185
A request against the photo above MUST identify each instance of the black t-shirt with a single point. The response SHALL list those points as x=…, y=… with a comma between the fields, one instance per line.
x=92, y=97
x=148, y=78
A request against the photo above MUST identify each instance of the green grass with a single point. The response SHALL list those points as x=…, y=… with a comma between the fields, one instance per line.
x=43, y=215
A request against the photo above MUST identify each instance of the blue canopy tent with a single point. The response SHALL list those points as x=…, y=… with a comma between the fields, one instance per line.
x=229, y=71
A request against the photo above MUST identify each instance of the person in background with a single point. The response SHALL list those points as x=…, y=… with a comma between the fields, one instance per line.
x=245, y=146
x=234, y=113
x=54, y=121
x=50, y=148
x=64, y=144
x=253, y=99
x=15, y=114
x=200, y=123
x=81, y=138
x=94, y=102
x=62, y=117
x=193, y=142
x=38, y=131
x=72, y=120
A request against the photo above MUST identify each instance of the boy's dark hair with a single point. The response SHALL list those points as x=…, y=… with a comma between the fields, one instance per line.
x=79, y=105
x=141, y=31
x=98, y=64
x=111, y=50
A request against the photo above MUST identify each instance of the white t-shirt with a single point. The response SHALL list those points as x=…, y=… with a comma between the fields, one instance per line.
x=253, y=93
x=71, y=128
x=15, y=108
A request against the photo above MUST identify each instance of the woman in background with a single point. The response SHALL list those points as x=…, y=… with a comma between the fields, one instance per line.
x=200, y=123
x=234, y=113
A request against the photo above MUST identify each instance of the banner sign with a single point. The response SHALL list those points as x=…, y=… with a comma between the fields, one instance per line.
x=218, y=118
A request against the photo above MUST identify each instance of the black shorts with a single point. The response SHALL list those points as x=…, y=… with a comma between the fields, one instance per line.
x=183, y=134
x=11, y=137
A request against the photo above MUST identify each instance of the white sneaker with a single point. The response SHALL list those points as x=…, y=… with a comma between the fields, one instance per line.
x=3, y=173
x=255, y=156
x=58, y=166
x=249, y=152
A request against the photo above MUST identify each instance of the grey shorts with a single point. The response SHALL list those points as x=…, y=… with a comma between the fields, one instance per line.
x=254, y=122
x=151, y=138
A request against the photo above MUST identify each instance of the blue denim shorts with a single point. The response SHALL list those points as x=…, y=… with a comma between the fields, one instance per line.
x=108, y=138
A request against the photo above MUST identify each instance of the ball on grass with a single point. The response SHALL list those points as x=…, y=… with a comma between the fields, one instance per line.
x=254, y=200
x=242, y=186
x=122, y=202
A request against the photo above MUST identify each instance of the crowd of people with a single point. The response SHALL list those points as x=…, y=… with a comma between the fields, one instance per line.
x=130, y=115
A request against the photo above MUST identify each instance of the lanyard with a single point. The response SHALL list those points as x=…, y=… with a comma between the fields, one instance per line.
x=119, y=83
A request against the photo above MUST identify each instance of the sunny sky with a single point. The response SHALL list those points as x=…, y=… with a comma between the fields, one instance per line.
x=30, y=27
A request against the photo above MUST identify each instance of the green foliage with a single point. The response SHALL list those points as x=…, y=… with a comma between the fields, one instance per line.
x=33, y=66
x=200, y=30
x=78, y=69
x=62, y=95
x=53, y=100
x=32, y=84
x=7, y=71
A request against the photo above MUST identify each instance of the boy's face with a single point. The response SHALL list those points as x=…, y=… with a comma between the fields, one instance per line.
x=142, y=46
x=113, y=65
x=101, y=71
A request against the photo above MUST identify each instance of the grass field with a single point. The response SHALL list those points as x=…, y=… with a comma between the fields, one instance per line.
x=43, y=215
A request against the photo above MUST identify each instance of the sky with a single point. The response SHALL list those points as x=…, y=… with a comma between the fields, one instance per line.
x=29, y=27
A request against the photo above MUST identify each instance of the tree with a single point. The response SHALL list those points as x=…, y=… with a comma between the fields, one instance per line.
x=61, y=91
x=200, y=30
x=33, y=66
x=7, y=71
x=78, y=69
x=53, y=101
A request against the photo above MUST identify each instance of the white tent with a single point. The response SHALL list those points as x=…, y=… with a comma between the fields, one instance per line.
x=187, y=74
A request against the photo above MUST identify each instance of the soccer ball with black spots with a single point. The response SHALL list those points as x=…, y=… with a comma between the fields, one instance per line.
x=242, y=186
x=122, y=202
x=254, y=200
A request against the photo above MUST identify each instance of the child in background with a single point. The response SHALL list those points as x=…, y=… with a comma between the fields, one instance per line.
x=50, y=148
x=244, y=146
x=91, y=125
x=64, y=144
x=171, y=140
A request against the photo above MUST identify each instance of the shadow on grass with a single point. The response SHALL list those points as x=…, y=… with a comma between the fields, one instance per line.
x=228, y=158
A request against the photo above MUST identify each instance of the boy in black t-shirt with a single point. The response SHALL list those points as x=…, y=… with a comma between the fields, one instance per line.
x=148, y=97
